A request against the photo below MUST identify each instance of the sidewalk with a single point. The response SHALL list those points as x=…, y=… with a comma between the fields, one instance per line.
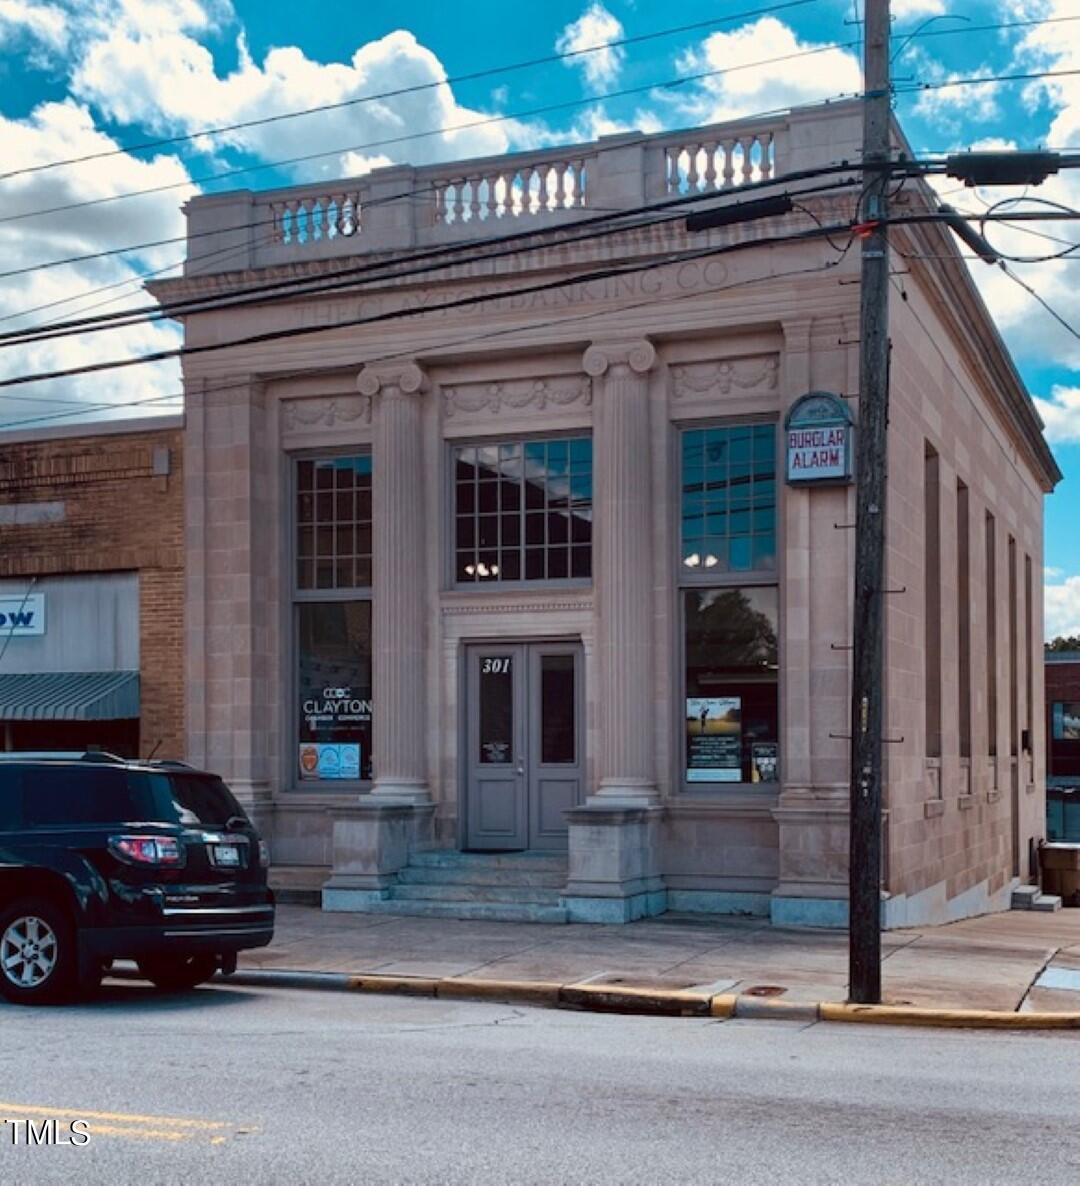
x=988, y=963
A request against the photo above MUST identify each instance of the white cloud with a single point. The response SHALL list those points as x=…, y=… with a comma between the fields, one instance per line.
x=596, y=26
x=1061, y=415
x=903, y=10
x=56, y=131
x=168, y=81
x=1062, y=608
x=1050, y=573
x=43, y=22
x=739, y=92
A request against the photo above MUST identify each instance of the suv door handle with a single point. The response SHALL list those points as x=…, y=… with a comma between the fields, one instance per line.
x=521, y=765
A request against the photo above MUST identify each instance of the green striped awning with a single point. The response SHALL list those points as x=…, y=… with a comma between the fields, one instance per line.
x=70, y=696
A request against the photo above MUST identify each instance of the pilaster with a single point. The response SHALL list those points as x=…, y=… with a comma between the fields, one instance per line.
x=626, y=763
x=400, y=624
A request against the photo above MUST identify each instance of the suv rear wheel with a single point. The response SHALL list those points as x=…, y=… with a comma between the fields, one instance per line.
x=38, y=960
x=175, y=973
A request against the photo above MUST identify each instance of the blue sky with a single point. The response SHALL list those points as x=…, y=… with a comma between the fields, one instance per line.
x=77, y=78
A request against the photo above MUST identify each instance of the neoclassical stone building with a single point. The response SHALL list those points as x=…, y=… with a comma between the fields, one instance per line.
x=505, y=595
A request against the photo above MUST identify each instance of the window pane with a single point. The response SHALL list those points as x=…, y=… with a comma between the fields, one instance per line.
x=97, y=795
x=334, y=525
x=728, y=498
x=334, y=690
x=551, y=482
x=557, y=709
x=731, y=714
x=496, y=710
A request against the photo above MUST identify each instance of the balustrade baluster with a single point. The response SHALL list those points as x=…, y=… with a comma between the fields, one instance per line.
x=766, y=142
x=710, y=165
x=672, y=155
x=692, y=167
x=474, y=198
x=526, y=174
x=729, y=163
x=543, y=195
x=747, y=143
x=492, y=181
x=560, y=184
x=459, y=199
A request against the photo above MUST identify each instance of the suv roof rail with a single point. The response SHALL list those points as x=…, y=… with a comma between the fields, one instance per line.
x=90, y=755
x=170, y=764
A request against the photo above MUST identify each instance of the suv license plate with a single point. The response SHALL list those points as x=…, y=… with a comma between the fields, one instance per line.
x=225, y=855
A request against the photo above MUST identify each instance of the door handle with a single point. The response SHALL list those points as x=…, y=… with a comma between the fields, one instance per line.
x=521, y=765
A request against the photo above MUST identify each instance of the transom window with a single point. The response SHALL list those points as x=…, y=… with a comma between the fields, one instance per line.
x=523, y=511
x=728, y=499
x=333, y=523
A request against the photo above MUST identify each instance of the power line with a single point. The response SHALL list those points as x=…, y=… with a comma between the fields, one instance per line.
x=135, y=247
x=567, y=319
x=666, y=84
x=396, y=314
x=1042, y=300
x=524, y=241
x=472, y=76
x=355, y=273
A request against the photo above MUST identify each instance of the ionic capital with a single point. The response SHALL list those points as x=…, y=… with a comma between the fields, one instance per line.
x=637, y=354
x=404, y=377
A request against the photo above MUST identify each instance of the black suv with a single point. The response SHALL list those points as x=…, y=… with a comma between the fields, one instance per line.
x=104, y=859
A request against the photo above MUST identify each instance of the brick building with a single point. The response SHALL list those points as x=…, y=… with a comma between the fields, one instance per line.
x=541, y=575
x=91, y=588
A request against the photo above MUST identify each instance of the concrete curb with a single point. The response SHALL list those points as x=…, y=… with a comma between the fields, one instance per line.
x=630, y=999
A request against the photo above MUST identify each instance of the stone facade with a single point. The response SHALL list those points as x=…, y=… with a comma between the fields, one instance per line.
x=660, y=331
x=104, y=499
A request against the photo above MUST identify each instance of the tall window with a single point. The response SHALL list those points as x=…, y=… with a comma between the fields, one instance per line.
x=1014, y=655
x=332, y=620
x=727, y=567
x=963, y=605
x=523, y=511
x=1029, y=655
x=932, y=603
x=991, y=635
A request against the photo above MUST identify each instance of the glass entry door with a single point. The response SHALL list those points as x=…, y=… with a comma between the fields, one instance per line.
x=524, y=761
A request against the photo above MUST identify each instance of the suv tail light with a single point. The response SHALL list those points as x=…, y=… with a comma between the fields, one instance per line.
x=147, y=850
x=264, y=854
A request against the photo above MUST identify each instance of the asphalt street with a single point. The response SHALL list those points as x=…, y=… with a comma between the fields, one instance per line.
x=239, y=1085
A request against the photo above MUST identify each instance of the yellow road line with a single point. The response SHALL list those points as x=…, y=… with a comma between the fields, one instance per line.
x=121, y=1117
x=142, y=1134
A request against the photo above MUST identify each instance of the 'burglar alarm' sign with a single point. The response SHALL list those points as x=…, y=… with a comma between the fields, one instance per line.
x=818, y=440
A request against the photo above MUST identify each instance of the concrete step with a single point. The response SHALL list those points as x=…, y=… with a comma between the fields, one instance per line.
x=508, y=894
x=1047, y=903
x=446, y=858
x=482, y=875
x=298, y=885
x=1023, y=896
x=478, y=911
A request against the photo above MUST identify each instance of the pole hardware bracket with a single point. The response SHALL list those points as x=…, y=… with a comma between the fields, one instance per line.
x=843, y=526
x=841, y=646
x=901, y=589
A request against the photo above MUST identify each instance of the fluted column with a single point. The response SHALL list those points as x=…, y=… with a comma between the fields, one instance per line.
x=624, y=572
x=399, y=687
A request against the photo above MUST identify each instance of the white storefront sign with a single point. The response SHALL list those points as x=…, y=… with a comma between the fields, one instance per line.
x=818, y=439
x=22, y=615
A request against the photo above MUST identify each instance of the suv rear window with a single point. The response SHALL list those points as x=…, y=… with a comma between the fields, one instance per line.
x=195, y=800
x=71, y=795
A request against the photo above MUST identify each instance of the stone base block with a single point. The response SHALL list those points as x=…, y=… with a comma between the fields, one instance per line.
x=730, y=902
x=371, y=844
x=343, y=900
x=809, y=912
x=614, y=864
x=615, y=910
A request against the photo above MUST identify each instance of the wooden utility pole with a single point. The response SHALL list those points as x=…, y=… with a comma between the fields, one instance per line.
x=868, y=676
